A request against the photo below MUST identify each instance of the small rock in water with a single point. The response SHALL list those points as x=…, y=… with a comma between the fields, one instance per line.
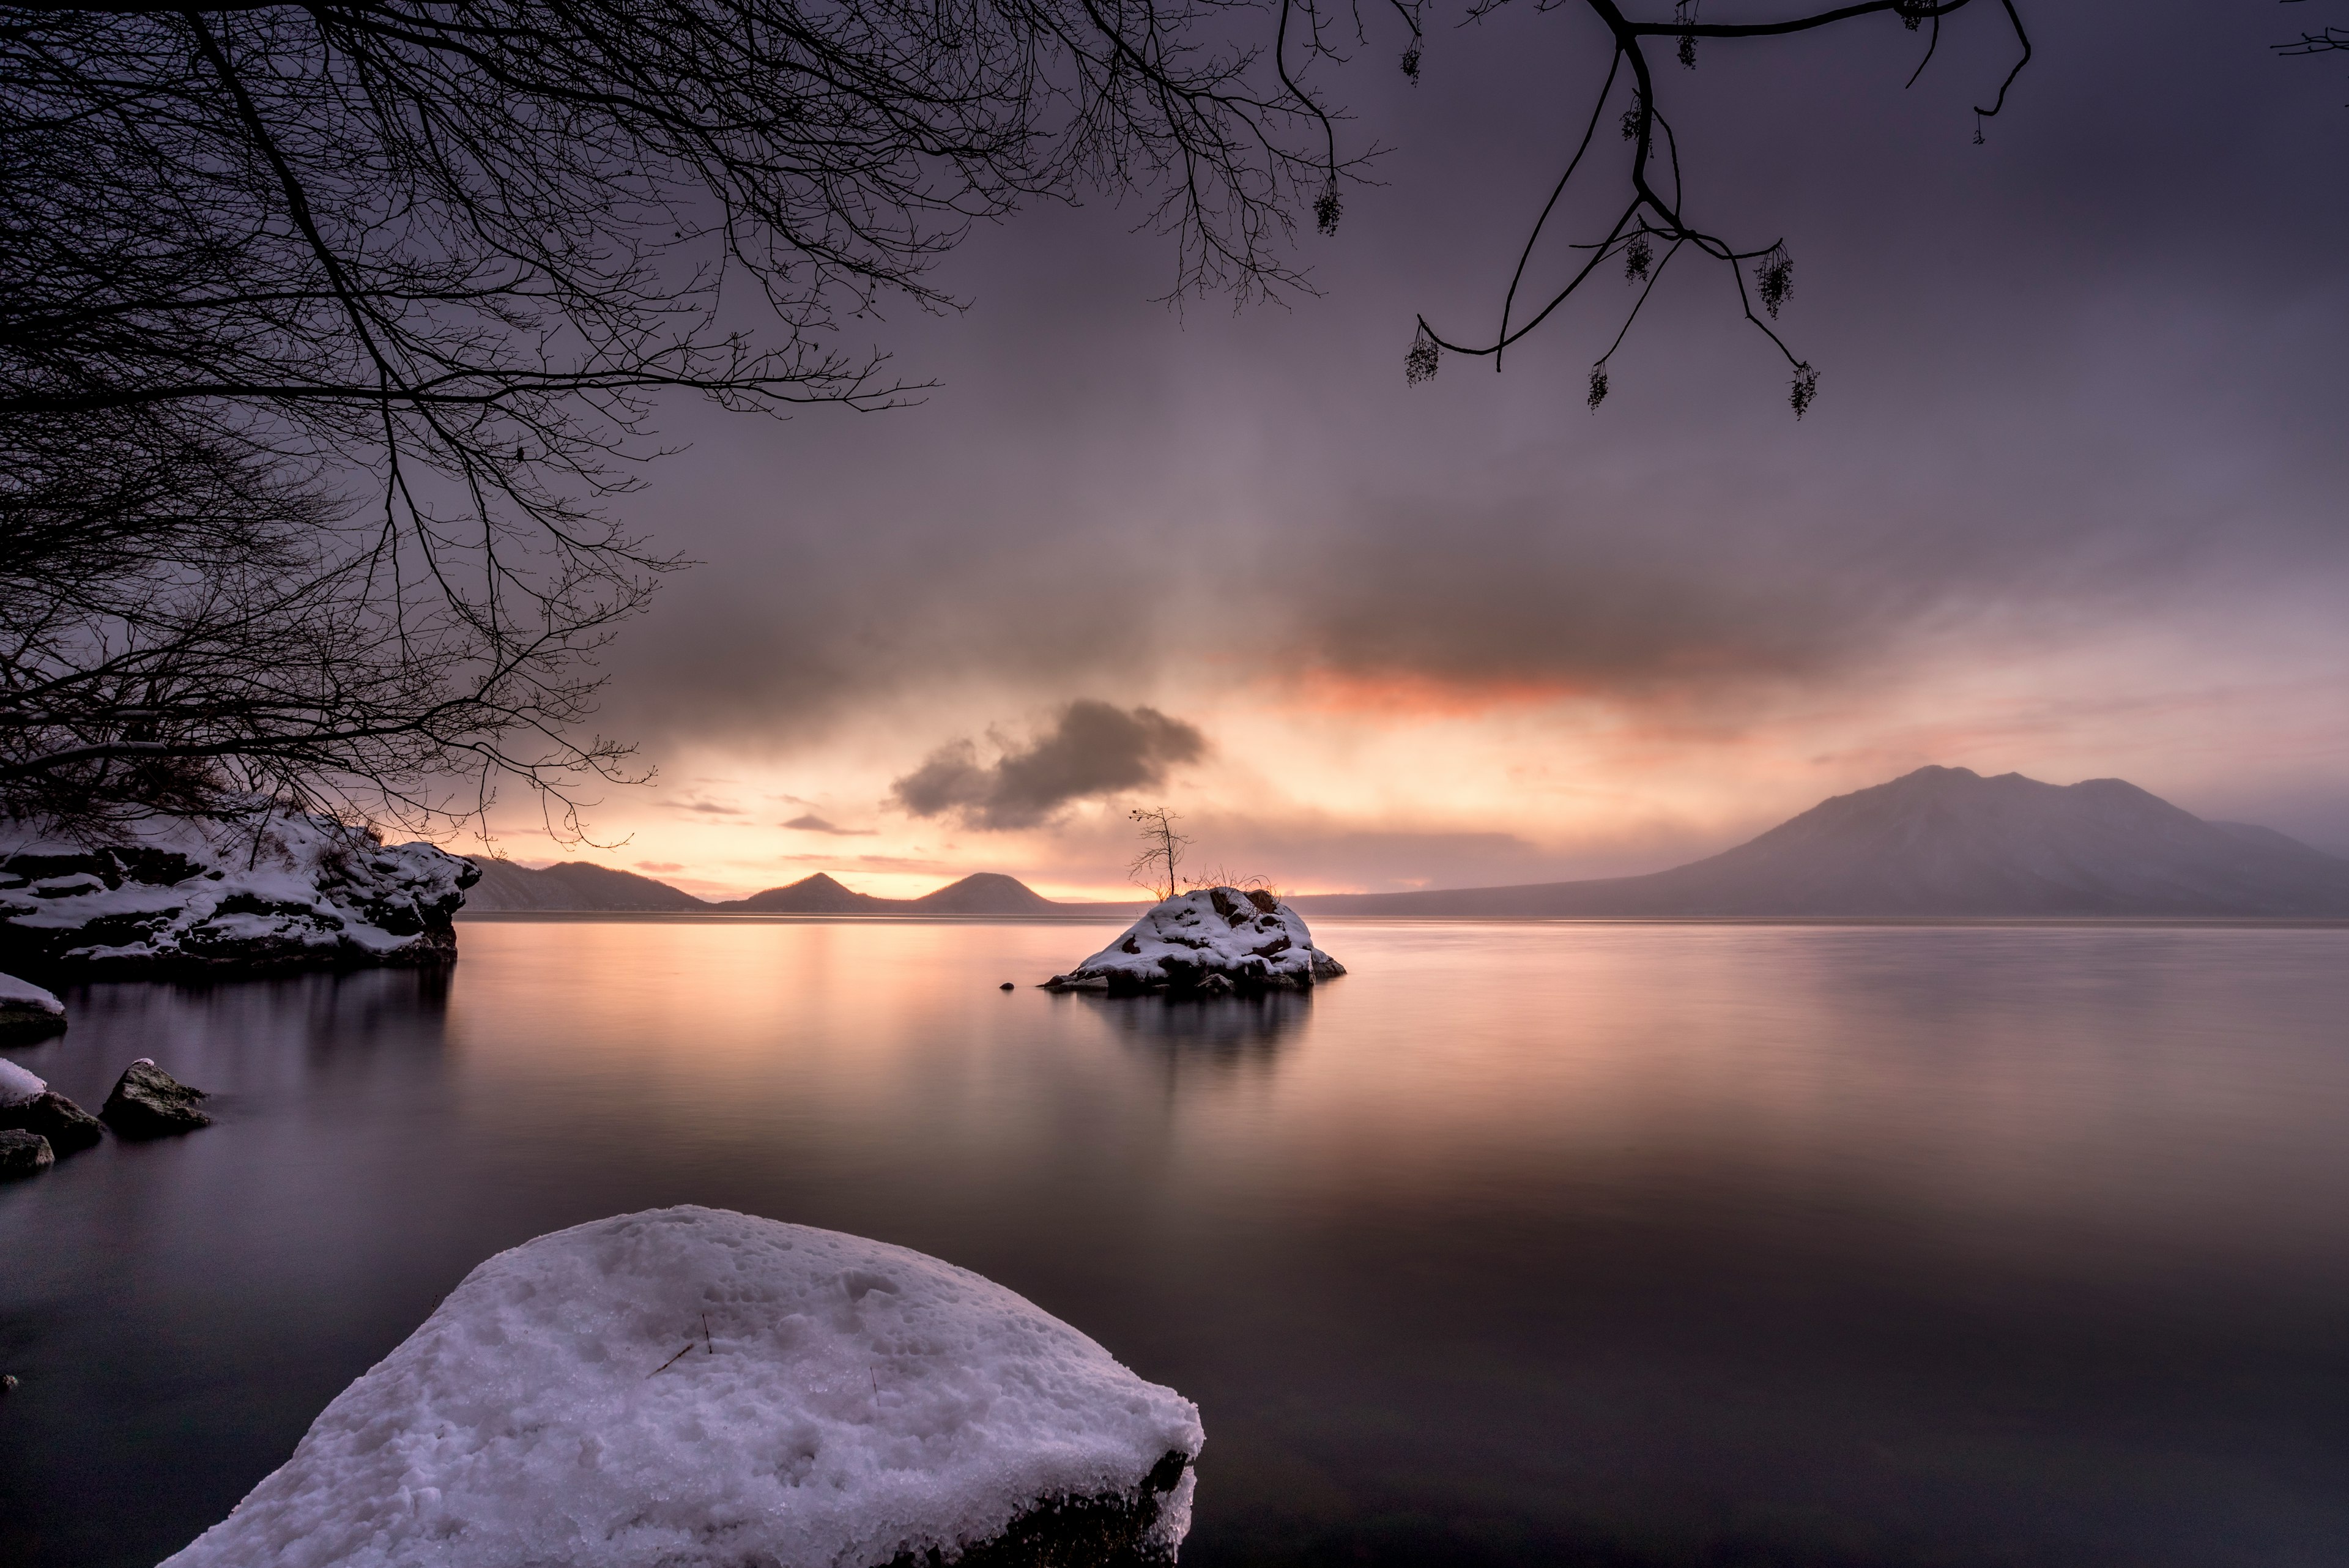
x=148, y=1102
x=1005, y=986
x=25, y=1154
x=65, y=1125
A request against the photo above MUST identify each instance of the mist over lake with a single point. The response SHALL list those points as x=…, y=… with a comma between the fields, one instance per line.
x=1525, y=1242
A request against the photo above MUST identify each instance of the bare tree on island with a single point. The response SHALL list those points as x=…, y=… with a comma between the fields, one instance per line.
x=1157, y=869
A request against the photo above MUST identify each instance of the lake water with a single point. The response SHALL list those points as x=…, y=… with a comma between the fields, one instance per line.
x=1525, y=1243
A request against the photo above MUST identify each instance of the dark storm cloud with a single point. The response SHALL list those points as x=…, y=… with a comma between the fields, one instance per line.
x=2083, y=370
x=1093, y=750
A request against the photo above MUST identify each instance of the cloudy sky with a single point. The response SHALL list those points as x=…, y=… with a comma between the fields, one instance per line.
x=2073, y=500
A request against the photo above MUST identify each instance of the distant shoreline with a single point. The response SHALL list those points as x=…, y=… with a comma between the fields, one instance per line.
x=1112, y=915
x=1115, y=913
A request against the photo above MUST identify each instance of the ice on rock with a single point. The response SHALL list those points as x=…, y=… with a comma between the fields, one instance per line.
x=175, y=896
x=692, y=1388
x=1209, y=939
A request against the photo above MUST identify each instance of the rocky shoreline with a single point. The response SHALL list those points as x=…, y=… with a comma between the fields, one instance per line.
x=172, y=898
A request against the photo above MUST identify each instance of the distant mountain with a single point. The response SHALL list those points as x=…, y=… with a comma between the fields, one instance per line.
x=990, y=893
x=984, y=893
x=1947, y=841
x=573, y=884
x=816, y=895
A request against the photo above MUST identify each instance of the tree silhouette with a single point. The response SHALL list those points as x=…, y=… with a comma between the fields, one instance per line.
x=1157, y=867
x=395, y=287
x=331, y=331
x=1652, y=224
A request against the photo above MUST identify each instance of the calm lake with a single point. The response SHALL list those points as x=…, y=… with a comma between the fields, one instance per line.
x=1525, y=1243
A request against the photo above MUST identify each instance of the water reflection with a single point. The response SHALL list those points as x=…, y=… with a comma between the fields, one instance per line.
x=1518, y=1245
x=1229, y=1029
x=249, y=1039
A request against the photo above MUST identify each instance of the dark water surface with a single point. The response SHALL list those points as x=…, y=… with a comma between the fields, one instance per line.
x=1525, y=1243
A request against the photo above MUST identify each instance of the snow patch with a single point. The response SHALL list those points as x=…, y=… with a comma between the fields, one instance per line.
x=693, y=1387
x=1211, y=939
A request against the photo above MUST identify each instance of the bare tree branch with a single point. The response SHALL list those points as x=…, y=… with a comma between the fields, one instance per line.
x=1653, y=214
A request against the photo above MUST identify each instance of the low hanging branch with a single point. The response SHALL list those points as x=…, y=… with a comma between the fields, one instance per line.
x=1652, y=217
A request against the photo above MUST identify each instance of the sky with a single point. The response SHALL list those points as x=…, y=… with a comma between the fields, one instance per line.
x=2073, y=499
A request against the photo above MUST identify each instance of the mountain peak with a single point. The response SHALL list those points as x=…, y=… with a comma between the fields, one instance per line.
x=1947, y=841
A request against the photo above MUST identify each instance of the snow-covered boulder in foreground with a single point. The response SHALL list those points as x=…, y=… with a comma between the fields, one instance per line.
x=693, y=1388
x=1211, y=939
x=28, y=1012
x=170, y=896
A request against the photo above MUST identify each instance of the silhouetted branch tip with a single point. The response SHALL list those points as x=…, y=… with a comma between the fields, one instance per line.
x=1805, y=387
x=1773, y=279
x=1419, y=364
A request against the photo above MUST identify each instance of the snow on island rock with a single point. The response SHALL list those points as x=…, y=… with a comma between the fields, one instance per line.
x=28, y=1012
x=695, y=1388
x=1213, y=940
x=173, y=896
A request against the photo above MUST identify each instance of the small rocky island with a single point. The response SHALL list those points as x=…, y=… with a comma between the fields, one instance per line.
x=1210, y=941
x=699, y=1388
x=173, y=897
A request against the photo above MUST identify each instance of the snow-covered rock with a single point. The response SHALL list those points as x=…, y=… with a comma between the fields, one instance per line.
x=28, y=1105
x=171, y=896
x=27, y=1011
x=17, y=1086
x=1211, y=939
x=696, y=1388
